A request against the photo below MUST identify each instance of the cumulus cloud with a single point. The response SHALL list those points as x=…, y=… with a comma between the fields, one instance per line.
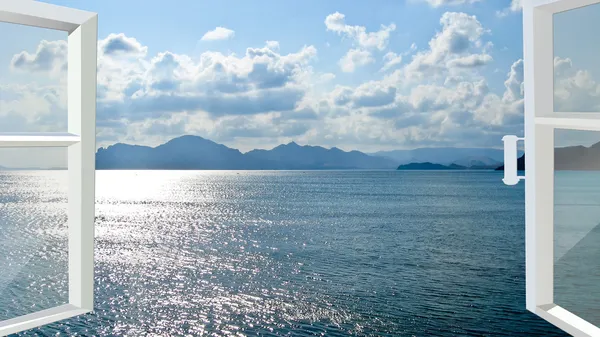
x=575, y=90
x=364, y=42
x=515, y=6
x=50, y=57
x=355, y=58
x=458, y=47
x=32, y=108
x=391, y=60
x=514, y=83
x=119, y=44
x=134, y=89
x=470, y=61
x=369, y=94
x=435, y=97
x=273, y=45
x=219, y=33
x=336, y=22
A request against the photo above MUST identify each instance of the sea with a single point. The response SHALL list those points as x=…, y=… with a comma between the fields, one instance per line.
x=279, y=253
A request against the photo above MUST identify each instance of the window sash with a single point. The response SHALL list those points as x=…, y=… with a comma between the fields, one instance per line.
x=540, y=122
x=80, y=140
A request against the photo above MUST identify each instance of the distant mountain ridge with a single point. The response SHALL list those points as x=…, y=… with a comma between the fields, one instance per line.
x=182, y=153
x=294, y=156
x=577, y=158
x=197, y=153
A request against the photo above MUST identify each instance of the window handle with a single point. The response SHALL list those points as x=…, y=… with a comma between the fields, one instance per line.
x=510, y=160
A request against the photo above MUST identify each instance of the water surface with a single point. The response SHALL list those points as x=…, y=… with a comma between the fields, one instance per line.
x=336, y=253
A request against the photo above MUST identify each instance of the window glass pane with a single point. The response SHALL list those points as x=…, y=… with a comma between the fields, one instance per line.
x=576, y=223
x=576, y=67
x=33, y=79
x=33, y=231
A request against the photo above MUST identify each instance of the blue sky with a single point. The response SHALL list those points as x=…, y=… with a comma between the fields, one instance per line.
x=368, y=75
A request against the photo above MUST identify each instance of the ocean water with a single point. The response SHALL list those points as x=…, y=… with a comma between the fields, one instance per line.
x=266, y=253
x=576, y=243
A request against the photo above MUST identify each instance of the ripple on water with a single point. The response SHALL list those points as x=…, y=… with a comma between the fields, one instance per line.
x=304, y=253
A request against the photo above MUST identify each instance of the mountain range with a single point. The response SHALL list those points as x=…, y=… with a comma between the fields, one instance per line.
x=193, y=152
x=197, y=153
x=577, y=158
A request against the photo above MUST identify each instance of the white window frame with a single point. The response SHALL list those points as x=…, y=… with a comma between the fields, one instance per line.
x=540, y=123
x=80, y=139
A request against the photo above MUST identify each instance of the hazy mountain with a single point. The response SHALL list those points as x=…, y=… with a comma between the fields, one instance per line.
x=398, y=156
x=182, y=153
x=577, y=158
x=197, y=153
x=294, y=156
x=445, y=156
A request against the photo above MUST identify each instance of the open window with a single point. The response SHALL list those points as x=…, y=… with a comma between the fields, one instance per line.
x=79, y=141
x=562, y=162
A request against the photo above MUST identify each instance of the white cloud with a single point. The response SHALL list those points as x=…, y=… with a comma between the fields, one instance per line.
x=391, y=60
x=514, y=82
x=121, y=45
x=364, y=42
x=33, y=108
x=470, y=61
x=265, y=97
x=574, y=89
x=336, y=22
x=355, y=58
x=515, y=6
x=136, y=93
x=437, y=97
x=458, y=47
x=219, y=33
x=327, y=77
x=273, y=45
x=50, y=57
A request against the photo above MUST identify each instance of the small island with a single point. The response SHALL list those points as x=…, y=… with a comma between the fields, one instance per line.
x=430, y=166
x=520, y=164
